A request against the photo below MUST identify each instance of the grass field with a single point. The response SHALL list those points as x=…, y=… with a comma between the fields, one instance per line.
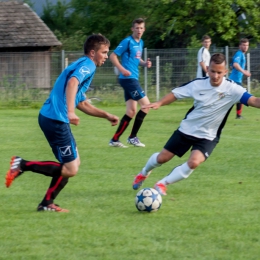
x=214, y=214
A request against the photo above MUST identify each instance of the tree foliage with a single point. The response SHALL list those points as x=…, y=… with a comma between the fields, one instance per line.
x=169, y=23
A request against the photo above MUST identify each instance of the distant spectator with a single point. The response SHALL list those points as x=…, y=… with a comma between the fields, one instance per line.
x=203, y=57
x=238, y=65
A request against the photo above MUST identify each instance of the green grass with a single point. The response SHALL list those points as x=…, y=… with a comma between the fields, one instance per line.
x=214, y=214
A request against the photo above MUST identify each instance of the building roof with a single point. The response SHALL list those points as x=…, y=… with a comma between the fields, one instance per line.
x=20, y=26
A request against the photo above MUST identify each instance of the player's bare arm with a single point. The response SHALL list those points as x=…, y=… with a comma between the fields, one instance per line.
x=71, y=90
x=91, y=110
x=166, y=100
x=203, y=66
x=147, y=63
x=113, y=58
x=254, y=102
x=238, y=67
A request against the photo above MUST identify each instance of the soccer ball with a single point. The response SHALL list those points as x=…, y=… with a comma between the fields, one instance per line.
x=148, y=199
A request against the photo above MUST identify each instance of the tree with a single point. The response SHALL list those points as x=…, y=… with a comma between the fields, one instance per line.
x=169, y=23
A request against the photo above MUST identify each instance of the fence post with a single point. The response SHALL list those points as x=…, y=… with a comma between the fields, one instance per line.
x=145, y=73
x=62, y=60
x=157, y=78
x=248, y=78
x=227, y=59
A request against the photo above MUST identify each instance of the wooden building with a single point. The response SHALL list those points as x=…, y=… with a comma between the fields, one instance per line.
x=25, y=44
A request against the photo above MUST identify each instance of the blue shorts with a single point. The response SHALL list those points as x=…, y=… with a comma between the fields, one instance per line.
x=60, y=138
x=179, y=143
x=132, y=89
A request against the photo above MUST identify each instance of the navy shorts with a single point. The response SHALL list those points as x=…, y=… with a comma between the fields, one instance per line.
x=60, y=138
x=179, y=143
x=132, y=89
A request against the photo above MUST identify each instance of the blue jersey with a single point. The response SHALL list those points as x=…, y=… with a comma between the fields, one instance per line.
x=131, y=53
x=239, y=58
x=55, y=107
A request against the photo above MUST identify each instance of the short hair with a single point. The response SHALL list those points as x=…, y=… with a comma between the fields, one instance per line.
x=94, y=41
x=218, y=58
x=138, y=21
x=243, y=40
x=205, y=37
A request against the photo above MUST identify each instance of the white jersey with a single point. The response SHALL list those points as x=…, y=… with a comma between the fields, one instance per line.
x=203, y=55
x=210, y=108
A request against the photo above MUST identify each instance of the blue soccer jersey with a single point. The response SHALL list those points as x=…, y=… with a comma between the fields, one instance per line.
x=239, y=58
x=55, y=107
x=131, y=53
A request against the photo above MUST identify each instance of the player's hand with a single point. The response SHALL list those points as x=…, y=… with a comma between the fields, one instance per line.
x=155, y=105
x=73, y=118
x=113, y=119
x=247, y=73
x=148, y=63
x=125, y=72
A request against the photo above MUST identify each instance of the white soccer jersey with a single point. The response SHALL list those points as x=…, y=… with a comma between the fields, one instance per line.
x=211, y=105
x=203, y=55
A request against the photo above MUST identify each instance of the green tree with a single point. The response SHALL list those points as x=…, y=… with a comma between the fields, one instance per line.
x=169, y=23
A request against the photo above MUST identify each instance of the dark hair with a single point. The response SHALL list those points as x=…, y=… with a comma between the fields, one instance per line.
x=243, y=40
x=138, y=20
x=94, y=41
x=218, y=58
x=205, y=37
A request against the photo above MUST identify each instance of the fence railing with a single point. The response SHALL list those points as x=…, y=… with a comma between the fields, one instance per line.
x=30, y=76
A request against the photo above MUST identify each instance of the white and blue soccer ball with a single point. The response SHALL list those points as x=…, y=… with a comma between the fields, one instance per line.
x=148, y=199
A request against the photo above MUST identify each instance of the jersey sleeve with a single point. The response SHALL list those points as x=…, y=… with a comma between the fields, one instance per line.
x=122, y=47
x=82, y=72
x=183, y=91
x=237, y=58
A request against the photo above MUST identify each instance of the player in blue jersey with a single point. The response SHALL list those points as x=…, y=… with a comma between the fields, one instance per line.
x=238, y=69
x=199, y=132
x=130, y=50
x=55, y=117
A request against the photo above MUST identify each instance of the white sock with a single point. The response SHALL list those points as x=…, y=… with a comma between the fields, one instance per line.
x=178, y=173
x=151, y=164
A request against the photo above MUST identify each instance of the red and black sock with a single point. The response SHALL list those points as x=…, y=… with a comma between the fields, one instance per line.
x=138, y=122
x=47, y=168
x=56, y=185
x=122, y=127
x=239, y=109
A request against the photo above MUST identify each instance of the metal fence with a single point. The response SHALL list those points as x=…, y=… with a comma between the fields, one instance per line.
x=30, y=76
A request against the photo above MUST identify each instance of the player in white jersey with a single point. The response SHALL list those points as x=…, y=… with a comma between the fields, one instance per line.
x=200, y=130
x=203, y=57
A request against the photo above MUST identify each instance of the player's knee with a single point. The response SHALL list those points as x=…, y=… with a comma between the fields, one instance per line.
x=69, y=172
x=193, y=164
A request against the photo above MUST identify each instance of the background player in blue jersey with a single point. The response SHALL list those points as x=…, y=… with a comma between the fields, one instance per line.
x=130, y=50
x=199, y=132
x=238, y=65
x=55, y=117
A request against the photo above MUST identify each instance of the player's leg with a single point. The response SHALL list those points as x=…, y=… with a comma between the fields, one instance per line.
x=239, y=107
x=181, y=172
x=156, y=160
x=201, y=150
x=138, y=95
x=125, y=120
x=57, y=184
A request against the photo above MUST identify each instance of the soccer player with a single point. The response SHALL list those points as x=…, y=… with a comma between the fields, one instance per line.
x=203, y=57
x=55, y=117
x=200, y=130
x=130, y=49
x=238, y=69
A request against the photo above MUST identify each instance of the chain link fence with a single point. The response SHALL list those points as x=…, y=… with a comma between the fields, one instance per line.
x=29, y=77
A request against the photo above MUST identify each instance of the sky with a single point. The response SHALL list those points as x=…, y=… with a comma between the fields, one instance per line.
x=39, y=4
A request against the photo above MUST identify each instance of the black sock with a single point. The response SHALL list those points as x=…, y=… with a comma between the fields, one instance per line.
x=138, y=122
x=122, y=127
x=56, y=185
x=47, y=168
